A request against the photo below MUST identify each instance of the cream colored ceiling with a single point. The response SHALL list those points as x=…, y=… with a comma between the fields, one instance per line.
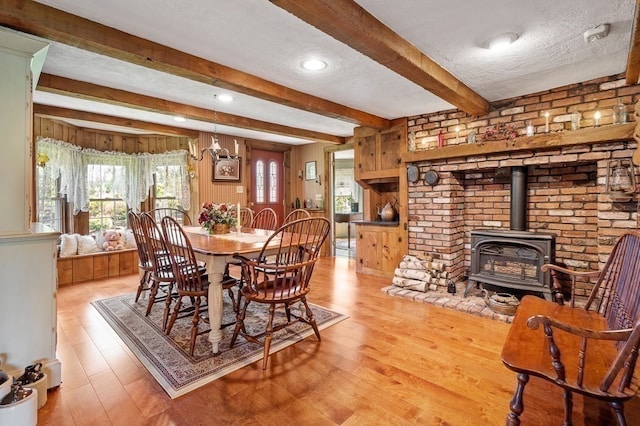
x=262, y=39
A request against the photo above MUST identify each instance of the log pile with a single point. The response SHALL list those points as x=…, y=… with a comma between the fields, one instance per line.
x=418, y=274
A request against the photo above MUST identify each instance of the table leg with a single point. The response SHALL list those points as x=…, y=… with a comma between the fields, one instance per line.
x=215, y=270
x=349, y=234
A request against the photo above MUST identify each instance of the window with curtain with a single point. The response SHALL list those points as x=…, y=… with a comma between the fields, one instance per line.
x=50, y=204
x=168, y=187
x=105, y=183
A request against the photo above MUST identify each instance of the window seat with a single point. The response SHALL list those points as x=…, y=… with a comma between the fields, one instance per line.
x=93, y=266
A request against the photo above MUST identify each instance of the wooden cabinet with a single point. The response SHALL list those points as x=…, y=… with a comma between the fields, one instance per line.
x=96, y=266
x=379, y=248
x=377, y=153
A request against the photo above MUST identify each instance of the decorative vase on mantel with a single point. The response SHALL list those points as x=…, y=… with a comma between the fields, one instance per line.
x=220, y=228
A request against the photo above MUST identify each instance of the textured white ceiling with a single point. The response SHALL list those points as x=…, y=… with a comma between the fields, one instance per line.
x=259, y=38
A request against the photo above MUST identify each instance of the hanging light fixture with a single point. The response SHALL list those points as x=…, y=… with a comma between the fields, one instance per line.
x=42, y=159
x=215, y=150
x=621, y=180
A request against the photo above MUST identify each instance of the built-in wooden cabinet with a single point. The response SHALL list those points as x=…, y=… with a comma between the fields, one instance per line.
x=380, y=171
x=96, y=266
x=379, y=248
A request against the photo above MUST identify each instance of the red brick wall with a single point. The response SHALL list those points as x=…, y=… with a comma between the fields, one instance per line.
x=565, y=186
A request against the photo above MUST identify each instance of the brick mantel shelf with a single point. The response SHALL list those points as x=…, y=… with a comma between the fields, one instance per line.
x=541, y=142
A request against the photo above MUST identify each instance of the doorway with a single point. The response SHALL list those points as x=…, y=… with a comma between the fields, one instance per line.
x=346, y=203
x=267, y=181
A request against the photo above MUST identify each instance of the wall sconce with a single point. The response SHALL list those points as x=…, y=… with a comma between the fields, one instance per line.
x=621, y=180
x=319, y=180
x=300, y=174
x=42, y=159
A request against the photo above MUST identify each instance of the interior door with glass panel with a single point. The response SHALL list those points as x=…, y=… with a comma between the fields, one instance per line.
x=267, y=178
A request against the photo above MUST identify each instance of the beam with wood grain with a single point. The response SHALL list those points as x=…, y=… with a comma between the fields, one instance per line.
x=633, y=60
x=92, y=92
x=349, y=23
x=53, y=24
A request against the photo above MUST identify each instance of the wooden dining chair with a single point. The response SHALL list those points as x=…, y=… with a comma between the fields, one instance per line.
x=246, y=217
x=144, y=263
x=591, y=350
x=181, y=216
x=297, y=245
x=296, y=214
x=191, y=281
x=161, y=277
x=265, y=219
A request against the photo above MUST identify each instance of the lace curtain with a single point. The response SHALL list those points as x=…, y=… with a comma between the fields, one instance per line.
x=133, y=180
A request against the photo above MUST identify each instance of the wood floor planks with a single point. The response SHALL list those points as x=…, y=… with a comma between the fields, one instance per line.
x=393, y=361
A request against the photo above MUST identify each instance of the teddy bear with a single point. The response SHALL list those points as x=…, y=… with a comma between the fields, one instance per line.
x=112, y=240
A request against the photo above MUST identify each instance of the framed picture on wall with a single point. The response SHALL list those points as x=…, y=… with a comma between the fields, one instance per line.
x=310, y=170
x=226, y=170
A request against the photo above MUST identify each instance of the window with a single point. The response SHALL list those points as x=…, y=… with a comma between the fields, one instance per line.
x=107, y=210
x=260, y=196
x=50, y=206
x=273, y=182
x=168, y=187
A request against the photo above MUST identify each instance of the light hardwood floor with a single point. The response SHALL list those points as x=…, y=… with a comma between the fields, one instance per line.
x=393, y=361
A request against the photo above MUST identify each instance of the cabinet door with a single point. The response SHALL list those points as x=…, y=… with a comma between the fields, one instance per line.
x=392, y=250
x=390, y=149
x=367, y=153
x=368, y=251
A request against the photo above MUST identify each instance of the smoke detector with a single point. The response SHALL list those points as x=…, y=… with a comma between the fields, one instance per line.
x=596, y=33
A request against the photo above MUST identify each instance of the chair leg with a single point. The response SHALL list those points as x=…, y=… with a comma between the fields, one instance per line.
x=516, y=405
x=152, y=296
x=310, y=318
x=174, y=315
x=568, y=408
x=167, y=306
x=143, y=282
x=618, y=411
x=267, y=337
x=239, y=323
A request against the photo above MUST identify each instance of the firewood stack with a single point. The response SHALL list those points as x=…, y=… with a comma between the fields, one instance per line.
x=417, y=274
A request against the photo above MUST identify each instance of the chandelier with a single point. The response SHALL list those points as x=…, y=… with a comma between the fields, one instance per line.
x=215, y=150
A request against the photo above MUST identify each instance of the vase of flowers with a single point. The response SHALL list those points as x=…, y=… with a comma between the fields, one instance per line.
x=218, y=218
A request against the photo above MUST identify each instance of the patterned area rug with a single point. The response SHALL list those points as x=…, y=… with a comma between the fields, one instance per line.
x=168, y=359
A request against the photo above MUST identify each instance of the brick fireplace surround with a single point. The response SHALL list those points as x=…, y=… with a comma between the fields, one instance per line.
x=566, y=186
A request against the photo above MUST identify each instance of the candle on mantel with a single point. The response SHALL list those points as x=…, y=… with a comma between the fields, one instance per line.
x=546, y=122
x=235, y=143
x=457, y=134
x=597, y=116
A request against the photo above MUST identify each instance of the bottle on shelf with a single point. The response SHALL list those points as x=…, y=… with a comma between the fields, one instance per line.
x=297, y=203
x=440, y=139
x=619, y=113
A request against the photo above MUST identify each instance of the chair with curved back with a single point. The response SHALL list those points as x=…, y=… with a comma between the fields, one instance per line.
x=144, y=263
x=161, y=277
x=246, y=217
x=591, y=350
x=296, y=214
x=265, y=219
x=181, y=216
x=287, y=280
x=191, y=282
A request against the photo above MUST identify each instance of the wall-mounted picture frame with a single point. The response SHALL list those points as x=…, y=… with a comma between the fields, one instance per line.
x=226, y=170
x=310, y=170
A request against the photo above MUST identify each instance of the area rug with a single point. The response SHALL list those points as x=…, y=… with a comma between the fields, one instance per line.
x=167, y=357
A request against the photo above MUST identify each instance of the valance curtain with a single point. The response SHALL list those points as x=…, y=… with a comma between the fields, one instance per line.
x=133, y=180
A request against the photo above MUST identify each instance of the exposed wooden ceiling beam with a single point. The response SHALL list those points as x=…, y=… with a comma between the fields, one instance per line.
x=53, y=24
x=349, y=23
x=82, y=90
x=58, y=112
x=633, y=60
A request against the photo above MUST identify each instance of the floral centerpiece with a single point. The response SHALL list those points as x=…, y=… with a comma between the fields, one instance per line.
x=218, y=218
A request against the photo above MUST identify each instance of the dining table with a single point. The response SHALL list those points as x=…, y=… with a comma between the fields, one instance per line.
x=216, y=250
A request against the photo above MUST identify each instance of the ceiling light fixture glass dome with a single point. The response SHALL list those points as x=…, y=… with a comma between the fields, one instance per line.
x=225, y=97
x=313, y=64
x=500, y=42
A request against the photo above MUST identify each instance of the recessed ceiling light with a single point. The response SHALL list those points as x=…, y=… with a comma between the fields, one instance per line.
x=313, y=65
x=225, y=97
x=501, y=41
x=179, y=119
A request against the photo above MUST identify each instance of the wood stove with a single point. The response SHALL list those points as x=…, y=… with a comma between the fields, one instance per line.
x=513, y=258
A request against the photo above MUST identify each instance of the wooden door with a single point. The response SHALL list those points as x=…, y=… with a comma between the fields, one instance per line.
x=267, y=181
